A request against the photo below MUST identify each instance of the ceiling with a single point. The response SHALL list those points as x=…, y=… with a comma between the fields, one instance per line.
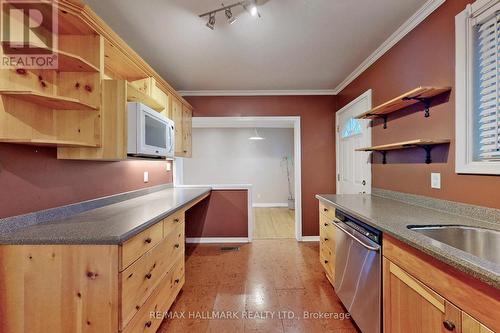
x=296, y=45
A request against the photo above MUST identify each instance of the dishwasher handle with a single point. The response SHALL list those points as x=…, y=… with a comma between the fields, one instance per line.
x=369, y=247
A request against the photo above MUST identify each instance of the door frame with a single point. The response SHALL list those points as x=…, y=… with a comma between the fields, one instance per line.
x=368, y=96
x=261, y=122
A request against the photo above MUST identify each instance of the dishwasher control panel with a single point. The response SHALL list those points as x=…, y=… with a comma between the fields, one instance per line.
x=364, y=229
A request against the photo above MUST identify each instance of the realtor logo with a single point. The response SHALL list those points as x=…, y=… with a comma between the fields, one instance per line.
x=28, y=34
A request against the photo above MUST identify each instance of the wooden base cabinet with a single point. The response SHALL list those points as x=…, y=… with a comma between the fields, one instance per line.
x=93, y=288
x=423, y=296
x=327, y=240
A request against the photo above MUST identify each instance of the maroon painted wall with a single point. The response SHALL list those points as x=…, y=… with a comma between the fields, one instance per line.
x=426, y=56
x=317, y=138
x=32, y=178
x=223, y=214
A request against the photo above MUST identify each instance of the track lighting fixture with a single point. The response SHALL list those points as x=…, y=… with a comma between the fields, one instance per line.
x=229, y=15
x=211, y=21
x=249, y=5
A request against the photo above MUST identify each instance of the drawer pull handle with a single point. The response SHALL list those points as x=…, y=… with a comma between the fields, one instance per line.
x=326, y=239
x=176, y=246
x=148, y=240
x=326, y=224
x=148, y=276
x=326, y=261
x=176, y=220
x=449, y=325
x=325, y=209
x=177, y=280
x=148, y=324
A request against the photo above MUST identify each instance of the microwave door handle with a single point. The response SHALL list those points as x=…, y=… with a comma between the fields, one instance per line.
x=372, y=248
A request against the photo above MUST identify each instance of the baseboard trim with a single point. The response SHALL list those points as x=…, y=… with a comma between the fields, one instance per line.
x=309, y=239
x=266, y=205
x=215, y=240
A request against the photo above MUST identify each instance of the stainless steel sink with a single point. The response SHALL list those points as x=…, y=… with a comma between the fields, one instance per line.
x=483, y=243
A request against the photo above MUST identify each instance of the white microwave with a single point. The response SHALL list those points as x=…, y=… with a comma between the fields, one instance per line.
x=150, y=134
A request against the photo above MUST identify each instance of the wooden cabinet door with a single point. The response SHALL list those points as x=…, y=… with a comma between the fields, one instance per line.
x=471, y=325
x=187, y=125
x=176, y=110
x=411, y=307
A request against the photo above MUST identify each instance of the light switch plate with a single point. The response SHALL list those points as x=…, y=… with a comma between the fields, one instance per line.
x=146, y=176
x=436, y=180
x=169, y=166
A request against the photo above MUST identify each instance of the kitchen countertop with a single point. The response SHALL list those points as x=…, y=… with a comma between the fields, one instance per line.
x=392, y=217
x=111, y=224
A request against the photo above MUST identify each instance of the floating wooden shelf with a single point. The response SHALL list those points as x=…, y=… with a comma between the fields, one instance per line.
x=47, y=142
x=68, y=62
x=135, y=95
x=417, y=95
x=427, y=145
x=49, y=101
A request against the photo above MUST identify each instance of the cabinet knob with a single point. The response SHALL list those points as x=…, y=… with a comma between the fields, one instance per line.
x=177, y=280
x=148, y=240
x=176, y=220
x=325, y=209
x=176, y=246
x=148, y=324
x=449, y=325
x=326, y=261
x=326, y=224
x=326, y=239
x=148, y=276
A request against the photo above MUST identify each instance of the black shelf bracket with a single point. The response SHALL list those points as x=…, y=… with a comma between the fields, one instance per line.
x=425, y=101
x=428, y=148
x=383, y=116
x=384, y=156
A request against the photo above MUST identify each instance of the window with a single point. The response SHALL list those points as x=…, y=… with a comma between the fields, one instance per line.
x=352, y=127
x=478, y=88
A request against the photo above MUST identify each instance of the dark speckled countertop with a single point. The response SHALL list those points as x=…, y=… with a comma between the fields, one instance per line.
x=392, y=217
x=111, y=224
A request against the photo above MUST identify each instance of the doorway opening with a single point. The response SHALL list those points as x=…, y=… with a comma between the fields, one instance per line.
x=263, y=152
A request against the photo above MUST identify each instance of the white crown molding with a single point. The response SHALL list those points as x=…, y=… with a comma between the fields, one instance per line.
x=323, y=92
x=428, y=8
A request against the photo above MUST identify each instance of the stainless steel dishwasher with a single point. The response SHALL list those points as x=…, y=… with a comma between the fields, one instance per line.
x=358, y=271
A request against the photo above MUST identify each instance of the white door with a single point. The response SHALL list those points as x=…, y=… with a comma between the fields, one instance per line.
x=354, y=173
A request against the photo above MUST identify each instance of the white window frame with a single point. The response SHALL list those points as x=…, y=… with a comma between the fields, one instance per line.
x=464, y=114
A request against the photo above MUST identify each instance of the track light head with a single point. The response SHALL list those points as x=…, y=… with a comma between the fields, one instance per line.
x=211, y=21
x=229, y=15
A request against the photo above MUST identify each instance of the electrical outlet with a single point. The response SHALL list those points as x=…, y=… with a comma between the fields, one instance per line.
x=146, y=176
x=435, y=180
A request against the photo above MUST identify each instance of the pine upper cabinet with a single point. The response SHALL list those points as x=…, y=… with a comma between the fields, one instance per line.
x=176, y=111
x=187, y=125
x=409, y=306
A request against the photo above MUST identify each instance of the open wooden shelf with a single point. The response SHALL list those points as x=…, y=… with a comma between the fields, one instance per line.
x=49, y=101
x=135, y=95
x=68, y=62
x=47, y=142
x=427, y=145
x=417, y=95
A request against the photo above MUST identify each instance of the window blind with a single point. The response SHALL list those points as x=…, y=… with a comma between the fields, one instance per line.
x=488, y=94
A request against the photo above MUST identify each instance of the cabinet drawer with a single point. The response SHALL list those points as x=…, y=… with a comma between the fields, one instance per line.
x=326, y=258
x=160, y=301
x=326, y=233
x=171, y=222
x=135, y=247
x=140, y=279
x=327, y=210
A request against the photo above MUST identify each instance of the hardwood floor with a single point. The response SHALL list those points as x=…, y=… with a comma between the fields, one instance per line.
x=276, y=279
x=275, y=222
